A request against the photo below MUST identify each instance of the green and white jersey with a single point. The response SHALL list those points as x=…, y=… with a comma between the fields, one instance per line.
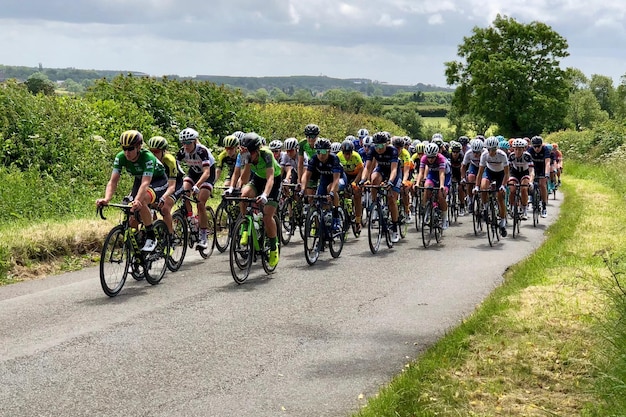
x=147, y=165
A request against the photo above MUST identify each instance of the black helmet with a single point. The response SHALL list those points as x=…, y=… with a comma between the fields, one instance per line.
x=311, y=130
x=322, y=143
x=251, y=141
x=463, y=140
x=380, y=137
x=347, y=146
x=536, y=141
x=397, y=141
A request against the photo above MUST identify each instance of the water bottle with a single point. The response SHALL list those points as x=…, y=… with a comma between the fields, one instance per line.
x=328, y=218
x=193, y=220
x=257, y=220
x=385, y=212
x=349, y=205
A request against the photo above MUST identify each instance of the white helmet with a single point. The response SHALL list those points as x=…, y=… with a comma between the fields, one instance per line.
x=476, y=145
x=188, y=134
x=276, y=145
x=367, y=141
x=335, y=147
x=519, y=143
x=431, y=149
x=290, y=143
x=491, y=142
x=362, y=133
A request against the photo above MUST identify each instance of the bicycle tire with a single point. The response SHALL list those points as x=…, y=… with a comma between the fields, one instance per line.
x=403, y=225
x=516, y=217
x=374, y=228
x=489, y=226
x=223, y=224
x=312, y=235
x=210, y=230
x=536, y=205
x=337, y=238
x=437, y=227
x=286, y=223
x=265, y=254
x=366, y=199
x=476, y=217
x=114, y=261
x=240, y=256
x=427, y=222
x=418, y=210
x=156, y=261
x=494, y=214
x=179, y=242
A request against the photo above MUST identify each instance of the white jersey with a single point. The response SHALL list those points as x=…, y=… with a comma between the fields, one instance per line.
x=471, y=158
x=495, y=163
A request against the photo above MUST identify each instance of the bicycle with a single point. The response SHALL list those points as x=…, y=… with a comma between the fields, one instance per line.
x=244, y=252
x=192, y=236
x=453, y=202
x=536, y=201
x=366, y=203
x=225, y=216
x=416, y=206
x=517, y=209
x=491, y=219
x=379, y=219
x=345, y=200
x=477, y=210
x=121, y=253
x=432, y=220
x=319, y=229
x=291, y=214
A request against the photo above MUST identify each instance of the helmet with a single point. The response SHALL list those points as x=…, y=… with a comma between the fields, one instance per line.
x=437, y=136
x=335, y=147
x=251, y=141
x=491, y=142
x=290, y=143
x=350, y=138
x=419, y=148
x=368, y=141
x=322, y=143
x=503, y=144
x=536, y=141
x=397, y=141
x=415, y=142
x=157, y=142
x=407, y=141
x=188, y=134
x=431, y=149
x=555, y=146
x=239, y=134
x=347, y=146
x=455, y=146
x=463, y=140
x=549, y=147
x=519, y=143
x=276, y=145
x=362, y=133
x=480, y=137
x=311, y=130
x=476, y=145
x=231, y=141
x=500, y=138
x=379, y=137
x=131, y=138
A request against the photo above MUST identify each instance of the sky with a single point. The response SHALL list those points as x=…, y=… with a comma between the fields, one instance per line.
x=401, y=42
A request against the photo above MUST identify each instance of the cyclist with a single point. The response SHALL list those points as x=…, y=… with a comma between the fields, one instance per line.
x=522, y=171
x=404, y=159
x=382, y=166
x=227, y=158
x=541, y=161
x=158, y=146
x=305, y=148
x=494, y=166
x=150, y=181
x=469, y=169
x=276, y=146
x=367, y=143
x=335, y=148
x=464, y=141
x=361, y=135
x=200, y=176
x=353, y=167
x=322, y=175
x=456, y=161
x=258, y=164
x=289, y=161
x=434, y=171
x=559, y=162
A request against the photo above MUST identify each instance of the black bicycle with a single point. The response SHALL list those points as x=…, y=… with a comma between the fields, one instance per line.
x=226, y=215
x=121, y=253
x=432, y=220
x=379, y=219
x=321, y=229
x=517, y=208
x=290, y=213
x=490, y=215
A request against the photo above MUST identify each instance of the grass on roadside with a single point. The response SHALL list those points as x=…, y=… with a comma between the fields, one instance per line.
x=535, y=347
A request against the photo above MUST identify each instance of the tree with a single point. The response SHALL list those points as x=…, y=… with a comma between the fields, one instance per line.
x=602, y=88
x=584, y=111
x=39, y=83
x=511, y=77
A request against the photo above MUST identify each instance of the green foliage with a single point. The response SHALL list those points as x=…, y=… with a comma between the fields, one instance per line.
x=39, y=83
x=604, y=143
x=511, y=77
x=584, y=111
x=408, y=118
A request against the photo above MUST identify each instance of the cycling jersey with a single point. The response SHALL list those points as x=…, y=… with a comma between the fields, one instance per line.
x=199, y=158
x=384, y=161
x=146, y=165
x=266, y=160
x=172, y=167
x=306, y=148
x=352, y=164
x=521, y=164
x=223, y=159
x=495, y=163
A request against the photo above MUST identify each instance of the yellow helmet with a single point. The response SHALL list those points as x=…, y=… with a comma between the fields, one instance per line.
x=157, y=142
x=131, y=138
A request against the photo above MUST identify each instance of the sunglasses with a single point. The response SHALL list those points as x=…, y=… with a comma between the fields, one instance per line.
x=128, y=148
x=380, y=145
x=311, y=137
x=322, y=151
x=188, y=142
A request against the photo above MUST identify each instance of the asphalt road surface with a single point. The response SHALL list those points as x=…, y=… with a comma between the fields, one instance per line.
x=309, y=341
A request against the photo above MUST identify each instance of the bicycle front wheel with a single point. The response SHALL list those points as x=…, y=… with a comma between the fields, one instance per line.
x=178, y=245
x=286, y=223
x=516, y=217
x=477, y=219
x=241, y=251
x=427, y=224
x=312, y=232
x=336, y=238
x=156, y=261
x=114, y=262
x=374, y=227
x=223, y=224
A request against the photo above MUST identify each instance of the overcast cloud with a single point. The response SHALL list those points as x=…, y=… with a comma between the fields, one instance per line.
x=395, y=41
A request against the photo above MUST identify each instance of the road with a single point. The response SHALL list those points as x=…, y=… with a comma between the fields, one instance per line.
x=309, y=341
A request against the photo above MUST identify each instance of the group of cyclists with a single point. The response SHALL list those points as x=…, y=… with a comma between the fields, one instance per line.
x=319, y=166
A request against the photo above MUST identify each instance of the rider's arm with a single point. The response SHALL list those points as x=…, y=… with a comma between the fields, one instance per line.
x=269, y=174
x=394, y=172
x=111, y=186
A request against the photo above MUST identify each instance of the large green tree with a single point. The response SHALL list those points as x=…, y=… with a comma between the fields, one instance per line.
x=509, y=75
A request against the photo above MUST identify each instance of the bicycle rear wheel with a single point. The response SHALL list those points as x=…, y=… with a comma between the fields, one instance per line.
x=241, y=253
x=536, y=205
x=156, y=261
x=374, y=227
x=336, y=238
x=312, y=234
x=114, y=262
x=210, y=234
x=427, y=224
x=476, y=218
x=286, y=223
x=223, y=224
x=178, y=245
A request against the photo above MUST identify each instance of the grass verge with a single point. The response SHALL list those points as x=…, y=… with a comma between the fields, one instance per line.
x=545, y=343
